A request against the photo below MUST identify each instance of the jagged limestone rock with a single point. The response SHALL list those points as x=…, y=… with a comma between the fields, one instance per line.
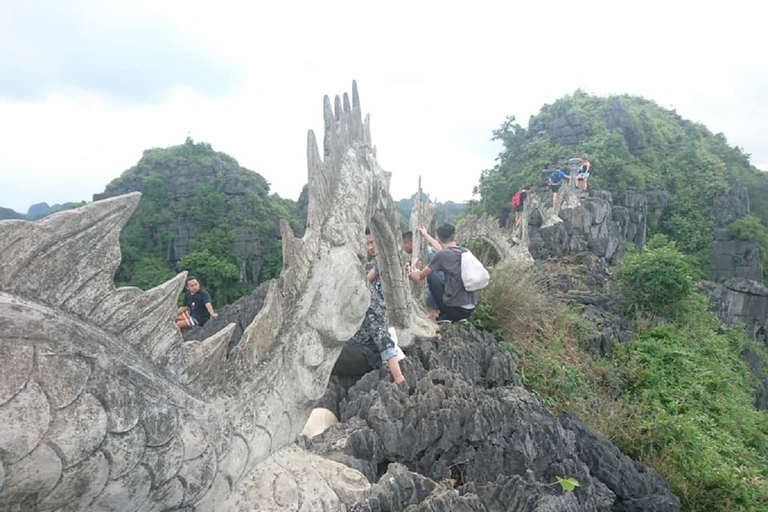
x=465, y=421
x=102, y=402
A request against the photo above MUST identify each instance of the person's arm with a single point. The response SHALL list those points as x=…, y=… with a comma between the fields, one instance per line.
x=209, y=307
x=181, y=310
x=377, y=317
x=394, y=370
x=372, y=274
x=433, y=242
x=418, y=275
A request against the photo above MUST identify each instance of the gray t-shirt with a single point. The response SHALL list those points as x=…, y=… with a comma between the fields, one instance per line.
x=449, y=261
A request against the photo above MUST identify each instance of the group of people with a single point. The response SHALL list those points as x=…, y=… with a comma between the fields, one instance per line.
x=557, y=176
x=374, y=344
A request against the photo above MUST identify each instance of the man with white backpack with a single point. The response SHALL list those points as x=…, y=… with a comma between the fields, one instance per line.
x=457, y=297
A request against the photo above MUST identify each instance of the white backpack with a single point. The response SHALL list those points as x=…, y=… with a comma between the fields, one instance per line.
x=473, y=273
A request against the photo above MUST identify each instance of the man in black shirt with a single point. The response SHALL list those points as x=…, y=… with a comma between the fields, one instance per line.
x=196, y=308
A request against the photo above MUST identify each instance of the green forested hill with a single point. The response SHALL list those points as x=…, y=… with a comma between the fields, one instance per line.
x=631, y=143
x=446, y=212
x=200, y=211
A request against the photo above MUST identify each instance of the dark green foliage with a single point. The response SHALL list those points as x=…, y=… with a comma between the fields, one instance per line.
x=656, y=281
x=208, y=191
x=632, y=143
x=218, y=274
x=690, y=400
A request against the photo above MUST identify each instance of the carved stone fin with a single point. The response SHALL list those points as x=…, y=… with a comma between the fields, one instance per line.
x=205, y=359
x=46, y=260
x=337, y=108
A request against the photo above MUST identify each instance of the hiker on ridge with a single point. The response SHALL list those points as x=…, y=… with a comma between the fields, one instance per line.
x=583, y=177
x=518, y=201
x=196, y=308
x=453, y=300
x=555, y=179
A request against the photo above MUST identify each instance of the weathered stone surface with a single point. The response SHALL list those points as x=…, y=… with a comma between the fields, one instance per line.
x=23, y=422
x=233, y=464
x=18, y=359
x=77, y=430
x=565, y=130
x=194, y=439
x=740, y=301
x=734, y=258
x=165, y=461
x=62, y=378
x=37, y=473
x=124, y=450
x=160, y=423
x=198, y=474
x=281, y=484
x=167, y=496
x=123, y=404
x=732, y=206
x=127, y=493
x=79, y=485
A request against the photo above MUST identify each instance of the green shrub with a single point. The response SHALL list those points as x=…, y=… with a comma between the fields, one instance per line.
x=689, y=400
x=656, y=281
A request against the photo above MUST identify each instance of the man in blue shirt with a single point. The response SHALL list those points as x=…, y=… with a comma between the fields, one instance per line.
x=555, y=179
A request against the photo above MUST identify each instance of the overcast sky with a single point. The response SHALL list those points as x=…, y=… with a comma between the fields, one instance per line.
x=87, y=85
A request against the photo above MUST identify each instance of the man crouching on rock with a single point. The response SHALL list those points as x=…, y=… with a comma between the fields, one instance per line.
x=453, y=300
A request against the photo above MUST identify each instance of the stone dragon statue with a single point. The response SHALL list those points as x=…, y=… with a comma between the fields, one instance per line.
x=104, y=407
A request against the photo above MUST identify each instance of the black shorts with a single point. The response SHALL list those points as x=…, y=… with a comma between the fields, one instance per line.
x=554, y=188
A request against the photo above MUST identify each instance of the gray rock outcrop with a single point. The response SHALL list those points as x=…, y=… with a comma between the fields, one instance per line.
x=463, y=434
x=740, y=301
x=579, y=223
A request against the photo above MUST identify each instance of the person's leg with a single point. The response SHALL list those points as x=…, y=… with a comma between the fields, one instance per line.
x=187, y=321
x=351, y=363
x=454, y=313
x=436, y=283
x=432, y=309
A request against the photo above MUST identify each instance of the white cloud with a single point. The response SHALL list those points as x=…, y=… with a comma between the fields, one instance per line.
x=436, y=80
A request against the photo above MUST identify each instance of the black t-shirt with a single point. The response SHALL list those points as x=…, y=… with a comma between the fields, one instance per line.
x=523, y=195
x=196, y=304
